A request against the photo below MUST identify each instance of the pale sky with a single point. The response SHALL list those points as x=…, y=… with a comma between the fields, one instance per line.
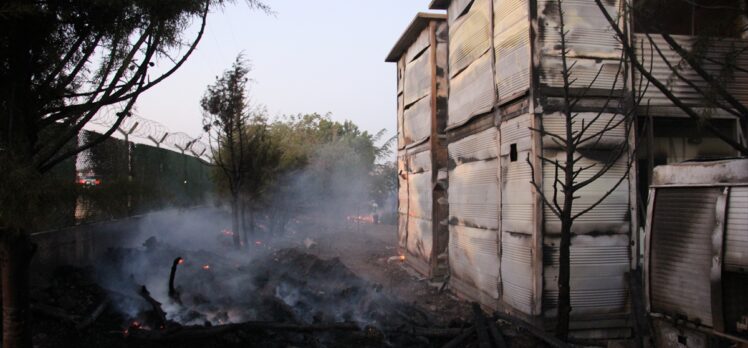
x=311, y=56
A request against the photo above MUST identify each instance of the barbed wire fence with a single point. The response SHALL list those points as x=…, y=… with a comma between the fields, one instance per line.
x=153, y=132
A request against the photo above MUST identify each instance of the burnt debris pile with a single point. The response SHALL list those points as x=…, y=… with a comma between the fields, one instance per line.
x=160, y=295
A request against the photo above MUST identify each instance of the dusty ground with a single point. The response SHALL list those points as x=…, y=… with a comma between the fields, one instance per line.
x=366, y=249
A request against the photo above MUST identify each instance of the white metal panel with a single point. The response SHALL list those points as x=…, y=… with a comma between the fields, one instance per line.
x=681, y=252
x=471, y=92
x=419, y=162
x=512, y=46
x=555, y=123
x=598, y=274
x=420, y=195
x=516, y=191
x=400, y=126
x=718, y=50
x=477, y=147
x=474, y=194
x=418, y=46
x=417, y=79
x=736, y=241
x=420, y=238
x=584, y=73
x=589, y=34
x=470, y=37
x=610, y=216
x=474, y=258
x=417, y=121
x=516, y=271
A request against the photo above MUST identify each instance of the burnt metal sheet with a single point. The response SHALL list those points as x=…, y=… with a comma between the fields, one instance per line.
x=610, y=216
x=420, y=195
x=583, y=74
x=598, y=274
x=417, y=79
x=419, y=162
x=589, y=34
x=417, y=121
x=681, y=252
x=420, y=238
x=470, y=36
x=418, y=46
x=555, y=123
x=736, y=235
x=400, y=126
x=402, y=198
x=474, y=258
x=512, y=46
x=717, y=50
x=474, y=195
x=456, y=9
x=516, y=271
x=471, y=92
x=400, y=75
x=477, y=147
x=516, y=191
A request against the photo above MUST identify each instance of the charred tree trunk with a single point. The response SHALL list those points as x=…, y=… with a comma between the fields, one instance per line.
x=16, y=250
x=235, y=220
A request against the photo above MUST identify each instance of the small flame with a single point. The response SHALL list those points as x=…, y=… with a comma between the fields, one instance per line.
x=258, y=242
x=181, y=261
x=227, y=232
x=402, y=257
x=206, y=267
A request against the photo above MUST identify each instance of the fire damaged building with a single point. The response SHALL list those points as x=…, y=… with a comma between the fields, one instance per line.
x=497, y=99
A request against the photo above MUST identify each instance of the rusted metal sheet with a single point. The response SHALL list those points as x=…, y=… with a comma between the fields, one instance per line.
x=512, y=47
x=681, y=252
x=516, y=271
x=417, y=79
x=736, y=235
x=555, y=123
x=610, y=216
x=598, y=274
x=716, y=50
x=471, y=92
x=474, y=258
x=417, y=121
x=419, y=162
x=470, y=36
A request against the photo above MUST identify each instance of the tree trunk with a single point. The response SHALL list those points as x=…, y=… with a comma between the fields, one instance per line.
x=16, y=250
x=235, y=221
x=564, y=275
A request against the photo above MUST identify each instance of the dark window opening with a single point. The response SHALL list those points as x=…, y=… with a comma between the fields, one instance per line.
x=720, y=18
x=513, y=152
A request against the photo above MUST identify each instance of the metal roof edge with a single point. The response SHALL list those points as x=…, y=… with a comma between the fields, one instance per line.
x=439, y=4
x=411, y=33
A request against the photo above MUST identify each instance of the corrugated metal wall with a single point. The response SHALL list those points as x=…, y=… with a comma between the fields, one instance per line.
x=402, y=199
x=736, y=238
x=590, y=42
x=681, y=252
x=717, y=50
x=517, y=215
x=420, y=234
x=474, y=205
x=512, y=47
x=470, y=61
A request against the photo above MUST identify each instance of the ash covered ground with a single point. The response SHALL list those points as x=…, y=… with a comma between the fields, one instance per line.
x=322, y=284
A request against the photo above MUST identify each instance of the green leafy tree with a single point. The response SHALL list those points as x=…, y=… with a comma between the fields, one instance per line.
x=61, y=62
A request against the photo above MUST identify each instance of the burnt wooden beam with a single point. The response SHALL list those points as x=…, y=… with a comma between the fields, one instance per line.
x=460, y=340
x=544, y=336
x=157, y=310
x=90, y=319
x=173, y=293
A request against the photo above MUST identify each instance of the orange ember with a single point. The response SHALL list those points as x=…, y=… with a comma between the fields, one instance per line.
x=258, y=242
x=206, y=267
x=402, y=257
x=181, y=261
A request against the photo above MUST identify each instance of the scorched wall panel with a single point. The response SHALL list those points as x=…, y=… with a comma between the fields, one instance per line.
x=511, y=47
x=474, y=214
